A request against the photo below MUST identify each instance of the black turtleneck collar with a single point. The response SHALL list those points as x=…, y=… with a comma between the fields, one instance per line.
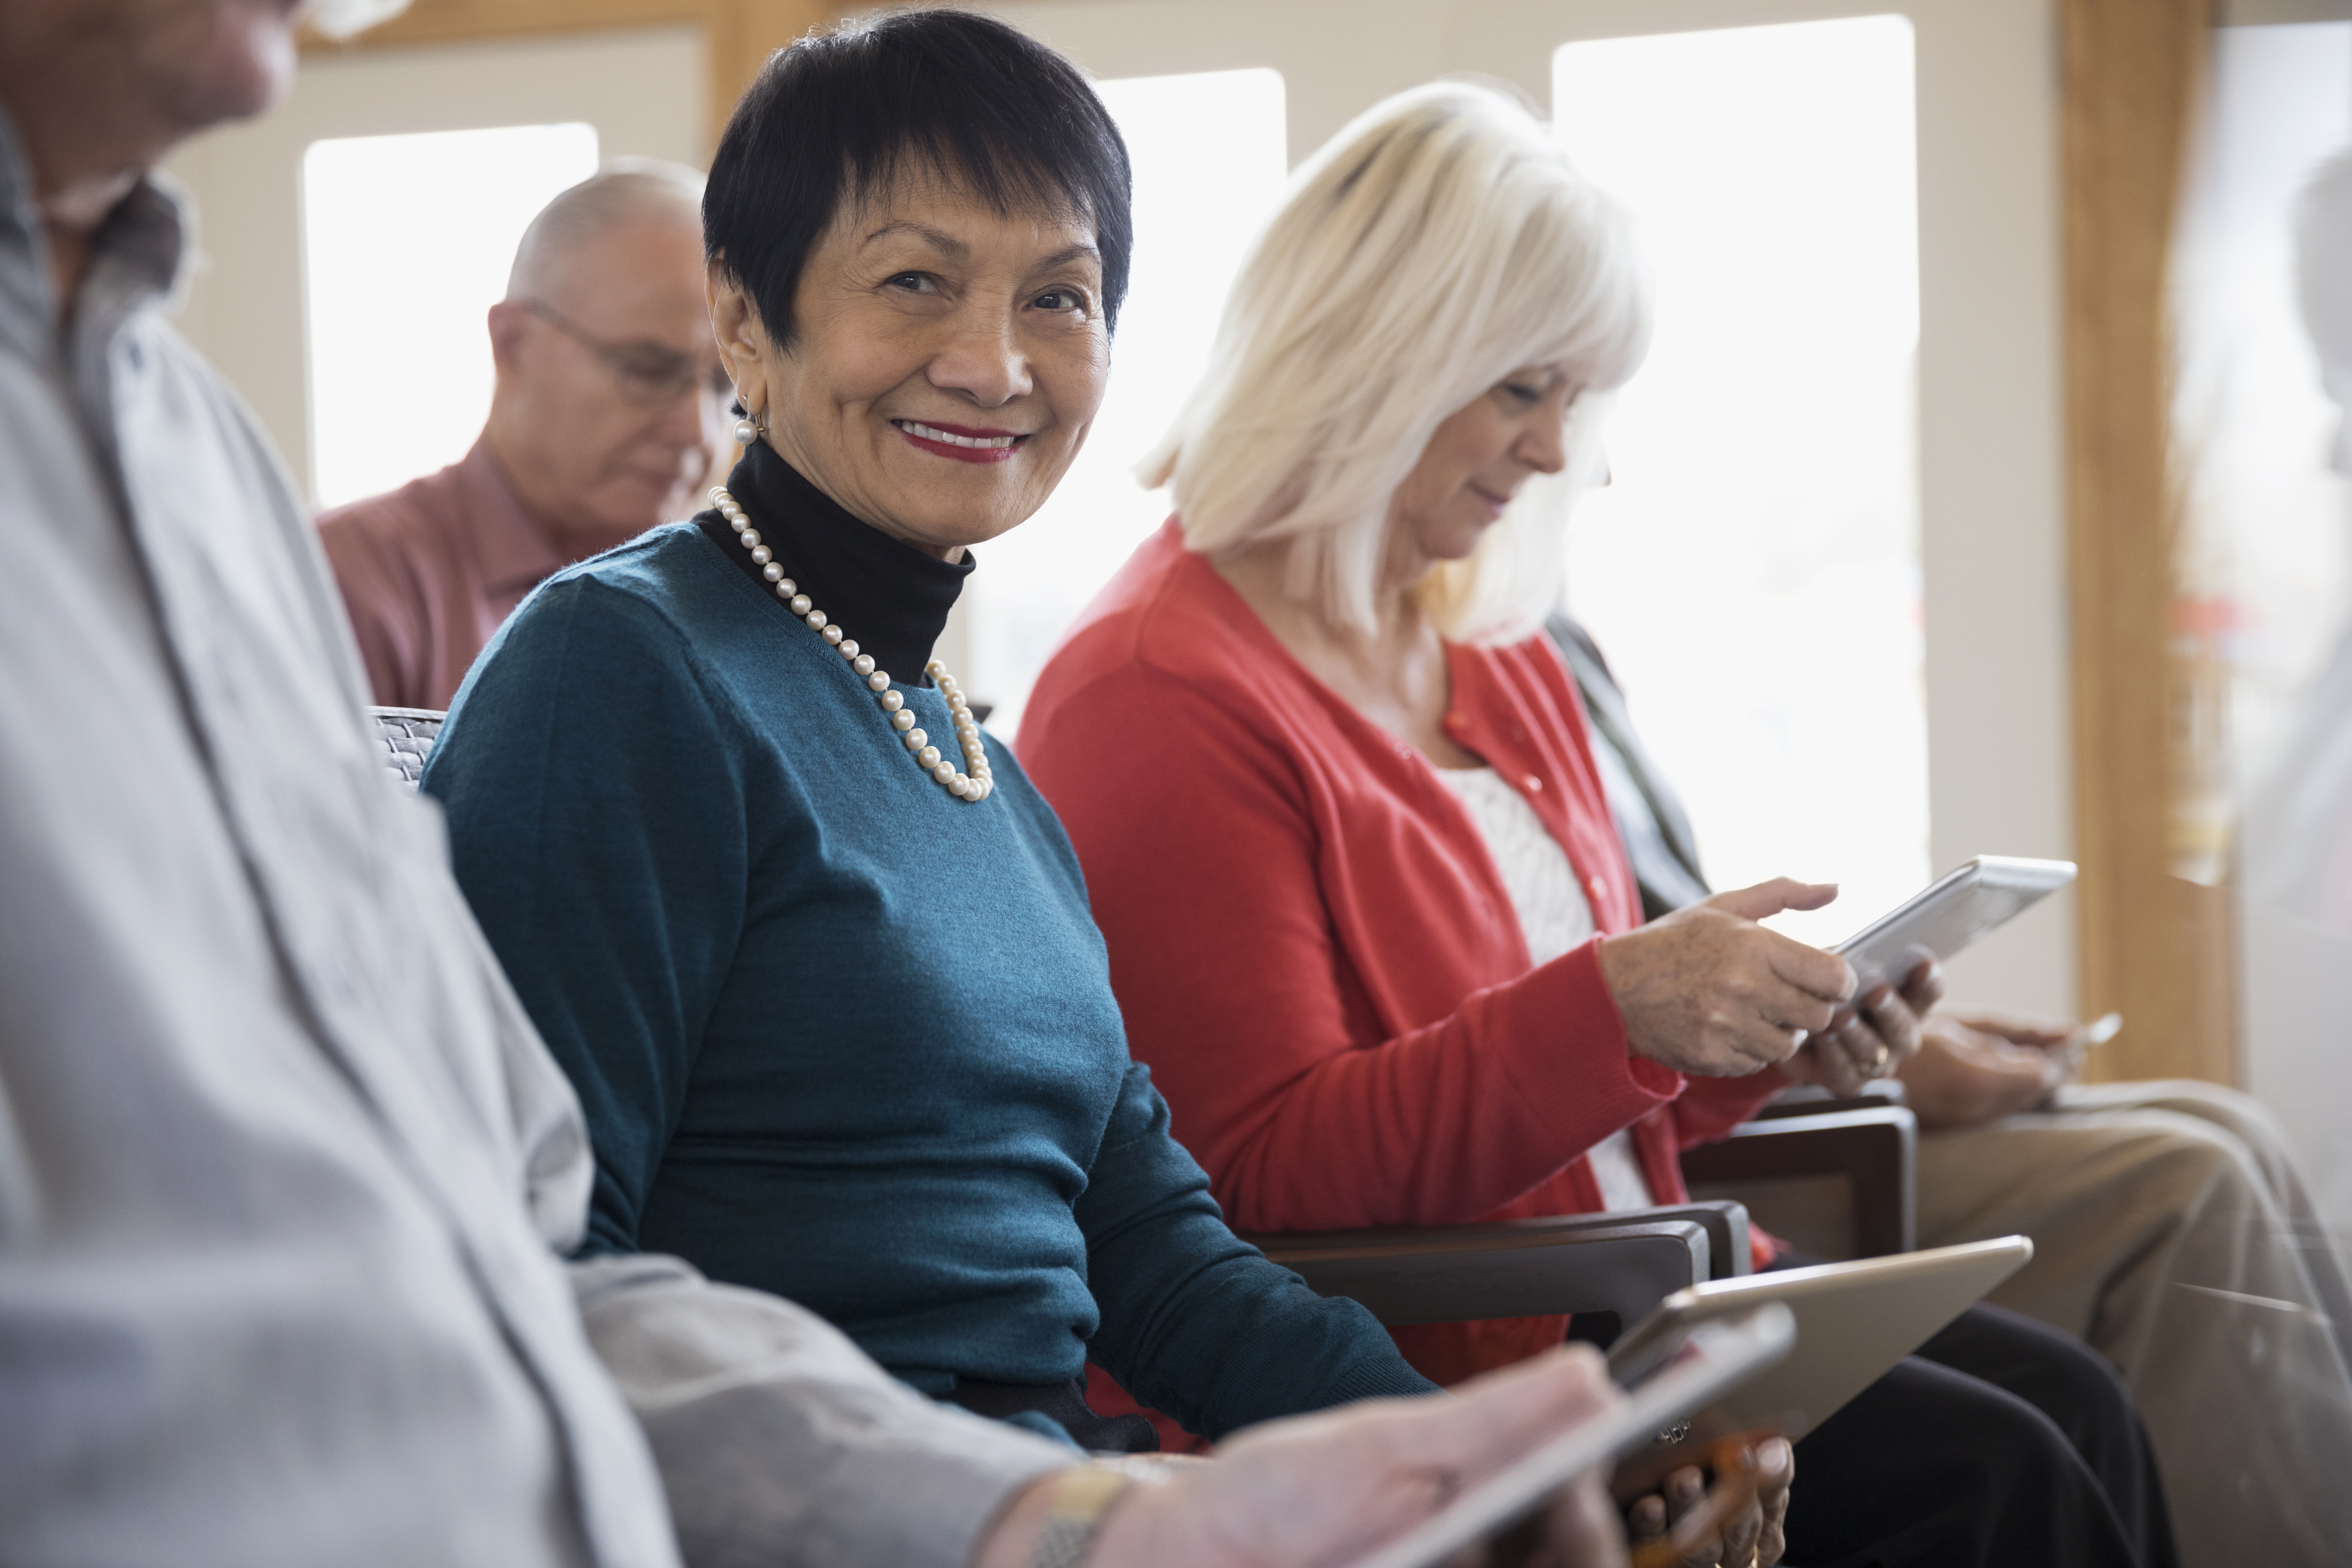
x=892, y=597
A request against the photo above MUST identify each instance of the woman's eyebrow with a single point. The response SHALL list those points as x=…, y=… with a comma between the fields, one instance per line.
x=956, y=249
x=939, y=238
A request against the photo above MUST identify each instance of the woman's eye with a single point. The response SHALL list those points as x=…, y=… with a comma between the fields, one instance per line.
x=1527, y=396
x=915, y=283
x=1069, y=300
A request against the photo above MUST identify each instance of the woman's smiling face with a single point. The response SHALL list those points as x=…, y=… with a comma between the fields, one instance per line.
x=946, y=363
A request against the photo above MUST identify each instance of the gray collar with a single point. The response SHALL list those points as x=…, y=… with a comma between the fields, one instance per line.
x=140, y=254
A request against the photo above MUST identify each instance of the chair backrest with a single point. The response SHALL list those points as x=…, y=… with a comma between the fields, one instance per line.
x=408, y=734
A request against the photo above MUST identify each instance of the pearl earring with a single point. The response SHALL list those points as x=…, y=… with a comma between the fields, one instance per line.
x=747, y=430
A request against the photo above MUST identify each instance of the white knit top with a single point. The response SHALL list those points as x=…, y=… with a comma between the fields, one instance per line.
x=1554, y=916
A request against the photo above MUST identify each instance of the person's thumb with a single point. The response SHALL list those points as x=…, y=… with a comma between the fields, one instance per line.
x=1771, y=898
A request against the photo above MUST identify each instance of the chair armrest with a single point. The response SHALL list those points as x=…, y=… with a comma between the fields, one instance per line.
x=1874, y=1149
x=1812, y=1099
x=1623, y=1264
x=1726, y=1231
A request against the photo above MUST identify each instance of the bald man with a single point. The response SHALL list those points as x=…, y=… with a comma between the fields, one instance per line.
x=605, y=420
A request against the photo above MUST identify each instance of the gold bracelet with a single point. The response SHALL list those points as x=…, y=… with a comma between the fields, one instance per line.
x=1081, y=1501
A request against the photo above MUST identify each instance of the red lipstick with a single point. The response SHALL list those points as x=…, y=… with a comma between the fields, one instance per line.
x=961, y=442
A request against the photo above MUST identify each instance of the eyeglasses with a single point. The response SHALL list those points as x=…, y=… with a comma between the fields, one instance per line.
x=649, y=375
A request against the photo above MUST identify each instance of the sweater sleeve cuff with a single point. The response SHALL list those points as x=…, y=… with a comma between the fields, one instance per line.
x=1714, y=1106
x=1567, y=1053
x=779, y=1442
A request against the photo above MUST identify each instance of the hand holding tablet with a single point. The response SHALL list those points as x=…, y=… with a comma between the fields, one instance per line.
x=1698, y=1368
x=1711, y=991
x=1893, y=959
x=1759, y=1355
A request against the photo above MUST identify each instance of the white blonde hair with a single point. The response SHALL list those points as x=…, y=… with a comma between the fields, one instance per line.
x=1436, y=244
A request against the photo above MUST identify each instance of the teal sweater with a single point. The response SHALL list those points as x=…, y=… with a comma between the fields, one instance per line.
x=840, y=1035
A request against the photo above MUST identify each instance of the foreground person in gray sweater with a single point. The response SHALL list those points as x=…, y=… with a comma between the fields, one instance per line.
x=285, y=1173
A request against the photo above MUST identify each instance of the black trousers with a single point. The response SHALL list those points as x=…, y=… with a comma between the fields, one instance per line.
x=2001, y=1444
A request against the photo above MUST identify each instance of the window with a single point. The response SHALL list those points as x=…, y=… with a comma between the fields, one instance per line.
x=1208, y=156
x=1752, y=570
x=407, y=241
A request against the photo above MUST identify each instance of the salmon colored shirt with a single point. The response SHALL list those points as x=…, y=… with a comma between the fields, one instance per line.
x=430, y=570
x=1313, y=950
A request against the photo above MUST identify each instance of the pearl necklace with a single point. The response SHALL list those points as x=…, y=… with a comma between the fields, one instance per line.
x=976, y=785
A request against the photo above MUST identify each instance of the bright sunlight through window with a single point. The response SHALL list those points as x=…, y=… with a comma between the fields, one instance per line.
x=1208, y=156
x=1752, y=571
x=405, y=245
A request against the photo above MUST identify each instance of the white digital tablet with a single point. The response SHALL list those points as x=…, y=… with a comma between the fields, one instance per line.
x=1708, y=1361
x=1854, y=1321
x=1950, y=915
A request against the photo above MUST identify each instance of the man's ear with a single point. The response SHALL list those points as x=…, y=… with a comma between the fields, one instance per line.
x=508, y=322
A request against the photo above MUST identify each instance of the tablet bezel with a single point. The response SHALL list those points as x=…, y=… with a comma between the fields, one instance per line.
x=1882, y=948
x=1855, y=1320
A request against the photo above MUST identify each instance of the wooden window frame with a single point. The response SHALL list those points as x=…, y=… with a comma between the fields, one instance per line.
x=2155, y=946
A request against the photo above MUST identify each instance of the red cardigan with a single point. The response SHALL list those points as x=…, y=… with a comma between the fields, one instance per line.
x=1312, y=947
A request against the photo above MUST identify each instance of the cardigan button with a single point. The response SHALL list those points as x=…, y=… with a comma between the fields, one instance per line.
x=1535, y=784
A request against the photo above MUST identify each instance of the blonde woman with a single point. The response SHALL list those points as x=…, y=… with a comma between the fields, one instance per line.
x=1368, y=917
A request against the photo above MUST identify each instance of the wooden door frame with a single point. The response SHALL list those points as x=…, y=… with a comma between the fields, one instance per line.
x=2156, y=946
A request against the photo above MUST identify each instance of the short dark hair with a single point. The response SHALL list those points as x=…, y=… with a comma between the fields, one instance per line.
x=836, y=116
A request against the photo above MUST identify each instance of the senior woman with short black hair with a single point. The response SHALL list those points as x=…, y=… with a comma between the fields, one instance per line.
x=814, y=953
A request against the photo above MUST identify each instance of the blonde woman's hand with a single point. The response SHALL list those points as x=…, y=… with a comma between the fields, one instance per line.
x=1874, y=1037
x=1708, y=991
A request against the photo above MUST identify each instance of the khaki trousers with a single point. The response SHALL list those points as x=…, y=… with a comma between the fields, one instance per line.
x=2173, y=1231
